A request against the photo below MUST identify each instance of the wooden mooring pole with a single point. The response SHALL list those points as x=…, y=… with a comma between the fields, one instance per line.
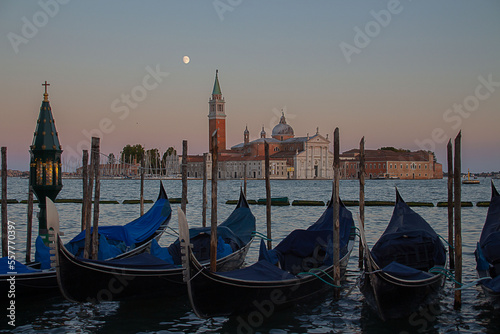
x=5, y=240
x=361, y=196
x=143, y=165
x=87, y=206
x=184, y=176
x=213, y=218
x=85, y=190
x=204, y=191
x=458, y=220
x=268, y=195
x=97, y=193
x=29, y=228
x=450, y=205
x=245, y=179
x=336, y=210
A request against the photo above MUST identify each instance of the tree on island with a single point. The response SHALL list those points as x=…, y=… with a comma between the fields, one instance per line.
x=154, y=165
x=131, y=153
x=390, y=148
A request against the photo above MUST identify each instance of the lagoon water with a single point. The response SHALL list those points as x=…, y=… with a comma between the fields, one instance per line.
x=321, y=315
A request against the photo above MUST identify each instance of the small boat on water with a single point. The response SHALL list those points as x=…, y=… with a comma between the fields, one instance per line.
x=298, y=268
x=117, y=242
x=386, y=176
x=488, y=250
x=157, y=272
x=469, y=180
x=405, y=268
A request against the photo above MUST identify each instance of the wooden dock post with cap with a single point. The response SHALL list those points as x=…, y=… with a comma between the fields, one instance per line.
x=458, y=220
x=268, y=195
x=213, y=222
x=336, y=210
x=361, y=196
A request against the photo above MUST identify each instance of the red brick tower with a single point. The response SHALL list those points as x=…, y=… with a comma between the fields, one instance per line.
x=217, y=116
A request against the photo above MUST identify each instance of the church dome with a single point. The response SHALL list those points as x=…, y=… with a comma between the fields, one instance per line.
x=282, y=129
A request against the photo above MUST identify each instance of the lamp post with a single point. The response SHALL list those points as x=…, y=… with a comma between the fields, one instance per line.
x=45, y=162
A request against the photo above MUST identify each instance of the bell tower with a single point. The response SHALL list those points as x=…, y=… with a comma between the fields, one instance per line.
x=217, y=116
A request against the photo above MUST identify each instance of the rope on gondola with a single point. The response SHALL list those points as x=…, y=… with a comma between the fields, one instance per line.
x=446, y=241
x=353, y=286
x=320, y=278
x=260, y=235
x=446, y=273
x=176, y=233
x=473, y=283
x=449, y=275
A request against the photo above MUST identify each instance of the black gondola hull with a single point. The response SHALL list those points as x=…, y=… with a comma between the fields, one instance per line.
x=214, y=295
x=84, y=281
x=393, y=298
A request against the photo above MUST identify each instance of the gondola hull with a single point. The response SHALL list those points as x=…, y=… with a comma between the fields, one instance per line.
x=492, y=296
x=30, y=285
x=488, y=251
x=145, y=275
x=213, y=294
x=89, y=281
x=404, y=269
x=394, y=298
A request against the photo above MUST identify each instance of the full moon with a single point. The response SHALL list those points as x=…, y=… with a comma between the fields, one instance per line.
x=185, y=59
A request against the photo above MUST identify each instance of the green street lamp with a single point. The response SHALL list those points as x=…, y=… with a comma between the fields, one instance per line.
x=45, y=162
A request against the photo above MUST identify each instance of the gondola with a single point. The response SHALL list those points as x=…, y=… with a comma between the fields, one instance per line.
x=405, y=268
x=158, y=272
x=119, y=242
x=298, y=268
x=488, y=250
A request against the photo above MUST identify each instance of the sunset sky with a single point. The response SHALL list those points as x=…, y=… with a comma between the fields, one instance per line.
x=407, y=74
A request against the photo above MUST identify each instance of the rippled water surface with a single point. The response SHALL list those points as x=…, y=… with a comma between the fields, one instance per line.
x=322, y=315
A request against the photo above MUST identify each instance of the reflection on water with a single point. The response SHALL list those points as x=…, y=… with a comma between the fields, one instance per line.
x=320, y=315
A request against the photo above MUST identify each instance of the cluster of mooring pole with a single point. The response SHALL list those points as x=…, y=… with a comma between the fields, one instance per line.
x=455, y=214
x=336, y=210
x=91, y=178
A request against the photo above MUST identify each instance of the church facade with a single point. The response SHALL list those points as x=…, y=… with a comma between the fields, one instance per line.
x=304, y=158
x=290, y=157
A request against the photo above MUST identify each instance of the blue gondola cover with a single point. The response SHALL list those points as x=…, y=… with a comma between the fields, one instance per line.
x=5, y=267
x=42, y=253
x=260, y=271
x=121, y=238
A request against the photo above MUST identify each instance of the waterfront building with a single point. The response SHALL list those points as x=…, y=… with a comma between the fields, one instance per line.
x=291, y=157
x=306, y=157
x=419, y=165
